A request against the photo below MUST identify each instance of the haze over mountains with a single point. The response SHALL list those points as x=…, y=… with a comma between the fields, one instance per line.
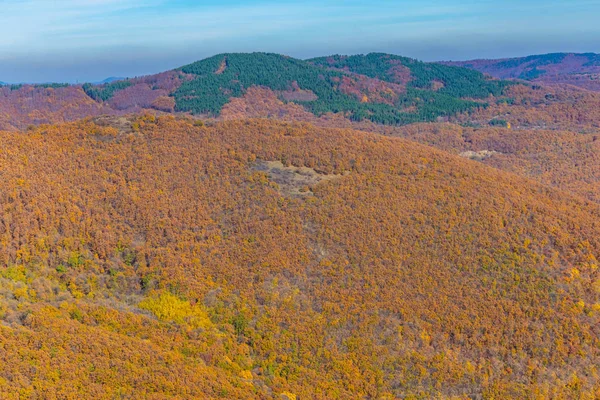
x=581, y=70
x=254, y=226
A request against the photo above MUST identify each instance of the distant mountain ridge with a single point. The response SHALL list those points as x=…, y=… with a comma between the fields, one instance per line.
x=579, y=69
x=375, y=88
x=363, y=94
x=102, y=82
x=380, y=88
x=110, y=80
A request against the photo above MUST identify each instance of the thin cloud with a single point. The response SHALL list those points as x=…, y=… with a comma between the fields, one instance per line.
x=147, y=34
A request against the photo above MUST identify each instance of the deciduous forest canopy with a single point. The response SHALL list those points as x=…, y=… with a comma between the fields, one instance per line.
x=256, y=226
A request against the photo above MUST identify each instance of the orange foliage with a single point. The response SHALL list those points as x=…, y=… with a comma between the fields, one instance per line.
x=406, y=272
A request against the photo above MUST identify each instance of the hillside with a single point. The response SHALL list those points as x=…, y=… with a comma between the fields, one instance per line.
x=256, y=259
x=446, y=80
x=24, y=105
x=546, y=134
x=420, y=92
x=560, y=158
x=581, y=70
x=321, y=90
x=373, y=88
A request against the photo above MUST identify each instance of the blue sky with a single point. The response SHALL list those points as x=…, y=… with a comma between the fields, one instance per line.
x=88, y=40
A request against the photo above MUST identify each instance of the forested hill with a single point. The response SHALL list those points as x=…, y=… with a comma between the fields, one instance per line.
x=385, y=89
x=423, y=93
x=577, y=69
x=448, y=80
x=155, y=258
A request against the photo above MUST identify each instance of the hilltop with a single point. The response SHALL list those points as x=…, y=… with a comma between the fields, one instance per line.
x=581, y=69
x=158, y=258
x=110, y=80
x=367, y=89
x=413, y=91
x=450, y=81
x=362, y=90
x=320, y=90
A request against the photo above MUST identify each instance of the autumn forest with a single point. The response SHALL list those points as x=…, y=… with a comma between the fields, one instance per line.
x=256, y=226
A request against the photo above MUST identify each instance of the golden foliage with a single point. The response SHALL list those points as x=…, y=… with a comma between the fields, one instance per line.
x=413, y=273
x=169, y=307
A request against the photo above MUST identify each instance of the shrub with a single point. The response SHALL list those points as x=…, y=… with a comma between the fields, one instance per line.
x=170, y=308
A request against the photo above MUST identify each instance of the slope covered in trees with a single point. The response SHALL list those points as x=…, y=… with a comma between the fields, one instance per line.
x=378, y=88
x=157, y=258
x=546, y=134
x=581, y=70
x=534, y=107
x=24, y=105
x=421, y=92
x=453, y=81
x=224, y=76
x=561, y=158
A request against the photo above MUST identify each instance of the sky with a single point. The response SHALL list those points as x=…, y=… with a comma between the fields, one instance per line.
x=89, y=40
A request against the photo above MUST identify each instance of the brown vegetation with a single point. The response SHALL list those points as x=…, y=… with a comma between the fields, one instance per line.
x=29, y=105
x=158, y=262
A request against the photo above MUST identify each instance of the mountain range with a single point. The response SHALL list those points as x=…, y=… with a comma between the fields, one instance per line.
x=581, y=69
x=380, y=88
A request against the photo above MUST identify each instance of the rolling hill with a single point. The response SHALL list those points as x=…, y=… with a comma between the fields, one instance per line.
x=321, y=90
x=373, y=88
x=581, y=70
x=150, y=257
x=455, y=82
x=563, y=159
x=415, y=92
